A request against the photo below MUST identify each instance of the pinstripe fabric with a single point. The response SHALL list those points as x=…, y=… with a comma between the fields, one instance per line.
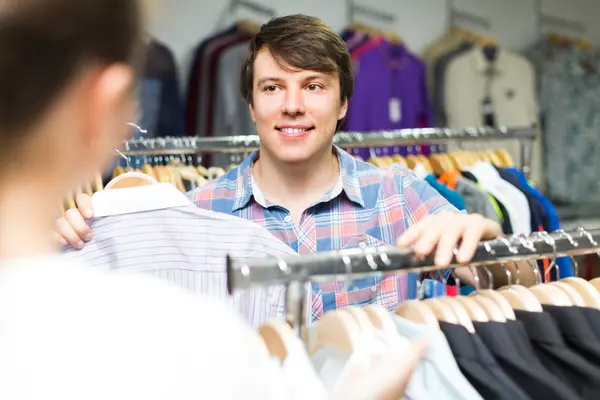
x=187, y=247
x=368, y=207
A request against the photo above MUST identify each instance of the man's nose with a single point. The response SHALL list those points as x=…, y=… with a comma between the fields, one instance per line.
x=294, y=102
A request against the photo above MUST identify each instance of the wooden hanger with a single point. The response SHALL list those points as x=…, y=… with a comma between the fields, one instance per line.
x=412, y=161
x=278, y=337
x=98, y=185
x=399, y=159
x=336, y=329
x=416, y=311
x=130, y=179
x=571, y=292
x=425, y=161
x=518, y=296
x=202, y=171
x=548, y=294
x=364, y=322
x=70, y=201
x=440, y=163
x=474, y=309
x=379, y=162
x=495, y=160
x=442, y=311
x=459, y=311
x=388, y=161
x=486, y=41
x=506, y=158
x=148, y=170
x=381, y=318
x=585, y=289
x=499, y=301
x=248, y=26
x=491, y=309
x=596, y=284
x=118, y=171
x=459, y=159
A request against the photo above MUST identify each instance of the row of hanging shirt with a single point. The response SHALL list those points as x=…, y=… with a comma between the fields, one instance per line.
x=515, y=343
x=474, y=81
x=476, y=359
x=568, y=70
x=486, y=182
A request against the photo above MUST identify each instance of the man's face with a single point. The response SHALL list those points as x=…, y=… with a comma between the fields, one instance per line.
x=295, y=111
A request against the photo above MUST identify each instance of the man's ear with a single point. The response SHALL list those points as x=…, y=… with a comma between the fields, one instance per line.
x=252, y=114
x=343, y=110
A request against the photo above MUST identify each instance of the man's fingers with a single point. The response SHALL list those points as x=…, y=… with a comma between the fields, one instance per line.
x=413, y=233
x=68, y=233
x=477, y=229
x=428, y=240
x=448, y=241
x=78, y=224
x=84, y=205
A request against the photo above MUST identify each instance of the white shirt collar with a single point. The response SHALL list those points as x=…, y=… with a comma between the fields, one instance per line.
x=137, y=199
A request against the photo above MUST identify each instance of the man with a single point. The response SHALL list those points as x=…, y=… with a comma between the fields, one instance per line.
x=67, y=331
x=298, y=80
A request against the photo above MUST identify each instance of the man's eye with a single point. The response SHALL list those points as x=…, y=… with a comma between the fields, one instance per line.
x=313, y=87
x=270, y=88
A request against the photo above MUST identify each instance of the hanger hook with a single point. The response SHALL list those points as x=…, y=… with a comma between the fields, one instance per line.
x=562, y=233
x=139, y=128
x=550, y=241
x=283, y=267
x=127, y=159
x=475, y=277
x=384, y=257
x=489, y=275
x=370, y=260
x=508, y=274
x=527, y=243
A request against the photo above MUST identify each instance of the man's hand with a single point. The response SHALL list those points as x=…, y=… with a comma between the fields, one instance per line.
x=444, y=231
x=72, y=228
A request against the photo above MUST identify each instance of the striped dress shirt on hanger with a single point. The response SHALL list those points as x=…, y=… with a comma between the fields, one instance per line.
x=140, y=230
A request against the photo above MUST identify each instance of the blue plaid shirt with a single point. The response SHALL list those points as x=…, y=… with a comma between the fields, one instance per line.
x=367, y=207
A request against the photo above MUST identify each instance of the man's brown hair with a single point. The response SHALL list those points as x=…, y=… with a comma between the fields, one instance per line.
x=45, y=43
x=302, y=42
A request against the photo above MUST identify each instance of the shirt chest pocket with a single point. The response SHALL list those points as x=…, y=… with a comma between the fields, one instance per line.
x=358, y=292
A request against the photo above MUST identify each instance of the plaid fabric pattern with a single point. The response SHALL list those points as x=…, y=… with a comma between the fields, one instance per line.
x=368, y=207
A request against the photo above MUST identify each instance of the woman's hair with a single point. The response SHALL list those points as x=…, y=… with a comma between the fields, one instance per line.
x=44, y=44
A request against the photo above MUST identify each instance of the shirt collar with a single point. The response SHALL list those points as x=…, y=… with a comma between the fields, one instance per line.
x=348, y=182
x=482, y=63
x=159, y=196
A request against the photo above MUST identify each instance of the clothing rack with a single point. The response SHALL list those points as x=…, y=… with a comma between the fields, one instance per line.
x=250, y=5
x=354, y=9
x=558, y=22
x=456, y=17
x=402, y=137
x=243, y=274
x=294, y=272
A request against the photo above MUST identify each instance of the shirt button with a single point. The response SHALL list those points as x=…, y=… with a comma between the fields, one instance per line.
x=362, y=245
x=287, y=218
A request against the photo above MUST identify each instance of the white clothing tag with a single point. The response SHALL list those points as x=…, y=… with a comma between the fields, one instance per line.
x=395, y=110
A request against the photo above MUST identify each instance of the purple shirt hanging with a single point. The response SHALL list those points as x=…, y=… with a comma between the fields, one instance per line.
x=390, y=93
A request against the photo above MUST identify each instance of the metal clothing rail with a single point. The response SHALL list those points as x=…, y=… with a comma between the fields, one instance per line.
x=354, y=9
x=242, y=274
x=242, y=143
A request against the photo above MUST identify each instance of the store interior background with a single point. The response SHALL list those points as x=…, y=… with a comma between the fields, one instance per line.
x=515, y=24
